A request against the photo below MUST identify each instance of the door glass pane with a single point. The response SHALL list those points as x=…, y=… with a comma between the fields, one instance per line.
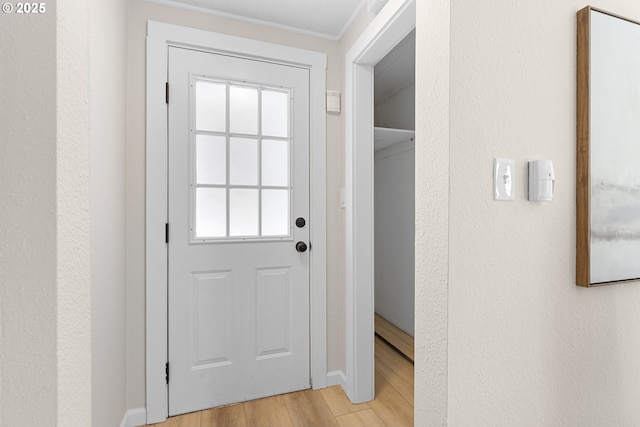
x=211, y=106
x=275, y=163
x=243, y=212
x=243, y=105
x=275, y=212
x=243, y=168
x=275, y=113
x=242, y=145
x=211, y=212
x=211, y=159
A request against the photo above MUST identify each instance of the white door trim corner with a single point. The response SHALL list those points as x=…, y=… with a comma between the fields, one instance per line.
x=159, y=37
x=389, y=27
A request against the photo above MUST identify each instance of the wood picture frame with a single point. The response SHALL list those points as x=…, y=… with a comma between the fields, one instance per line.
x=608, y=149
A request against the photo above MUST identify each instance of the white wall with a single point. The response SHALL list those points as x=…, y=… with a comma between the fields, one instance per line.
x=355, y=30
x=432, y=212
x=108, y=46
x=139, y=13
x=44, y=254
x=28, y=219
x=394, y=193
x=73, y=292
x=398, y=110
x=525, y=345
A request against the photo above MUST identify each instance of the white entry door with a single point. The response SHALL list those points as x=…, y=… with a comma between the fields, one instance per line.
x=238, y=229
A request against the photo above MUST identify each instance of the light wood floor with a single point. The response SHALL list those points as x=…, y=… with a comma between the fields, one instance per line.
x=395, y=336
x=392, y=407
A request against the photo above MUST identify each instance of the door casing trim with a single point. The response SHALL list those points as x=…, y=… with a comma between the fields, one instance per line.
x=159, y=37
x=396, y=19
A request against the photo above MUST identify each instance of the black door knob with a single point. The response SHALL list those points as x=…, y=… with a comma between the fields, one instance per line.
x=301, y=247
x=300, y=222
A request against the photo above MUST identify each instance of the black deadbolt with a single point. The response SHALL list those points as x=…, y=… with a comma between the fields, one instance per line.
x=300, y=222
x=301, y=247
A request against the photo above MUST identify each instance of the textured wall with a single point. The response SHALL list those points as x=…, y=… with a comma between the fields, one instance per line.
x=432, y=211
x=44, y=259
x=73, y=333
x=526, y=346
x=108, y=46
x=140, y=12
x=28, y=219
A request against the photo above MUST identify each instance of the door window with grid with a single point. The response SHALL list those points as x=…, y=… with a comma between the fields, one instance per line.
x=240, y=161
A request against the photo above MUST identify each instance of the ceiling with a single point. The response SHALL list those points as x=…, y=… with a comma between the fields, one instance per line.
x=323, y=18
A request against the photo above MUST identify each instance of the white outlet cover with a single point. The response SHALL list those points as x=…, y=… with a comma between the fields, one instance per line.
x=503, y=174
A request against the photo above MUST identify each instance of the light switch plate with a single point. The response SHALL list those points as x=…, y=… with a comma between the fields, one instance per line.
x=503, y=174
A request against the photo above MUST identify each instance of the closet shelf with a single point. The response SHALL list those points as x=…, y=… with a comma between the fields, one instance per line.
x=386, y=137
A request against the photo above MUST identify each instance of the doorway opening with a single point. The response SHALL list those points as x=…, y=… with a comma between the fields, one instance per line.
x=160, y=37
x=394, y=196
x=390, y=26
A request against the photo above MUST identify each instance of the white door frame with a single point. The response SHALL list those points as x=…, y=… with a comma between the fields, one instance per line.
x=159, y=37
x=396, y=19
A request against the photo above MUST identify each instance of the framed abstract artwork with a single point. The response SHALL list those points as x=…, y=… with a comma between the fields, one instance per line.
x=608, y=149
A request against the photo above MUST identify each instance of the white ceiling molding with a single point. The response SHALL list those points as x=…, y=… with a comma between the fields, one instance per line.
x=327, y=19
x=375, y=6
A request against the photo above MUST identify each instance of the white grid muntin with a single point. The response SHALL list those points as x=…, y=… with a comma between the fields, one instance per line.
x=228, y=186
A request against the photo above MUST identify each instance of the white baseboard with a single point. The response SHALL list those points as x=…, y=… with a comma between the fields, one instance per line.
x=134, y=418
x=336, y=378
x=138, y=416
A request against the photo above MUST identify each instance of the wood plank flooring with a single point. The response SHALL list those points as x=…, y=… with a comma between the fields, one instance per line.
x=329, y=407
x=402, y=341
